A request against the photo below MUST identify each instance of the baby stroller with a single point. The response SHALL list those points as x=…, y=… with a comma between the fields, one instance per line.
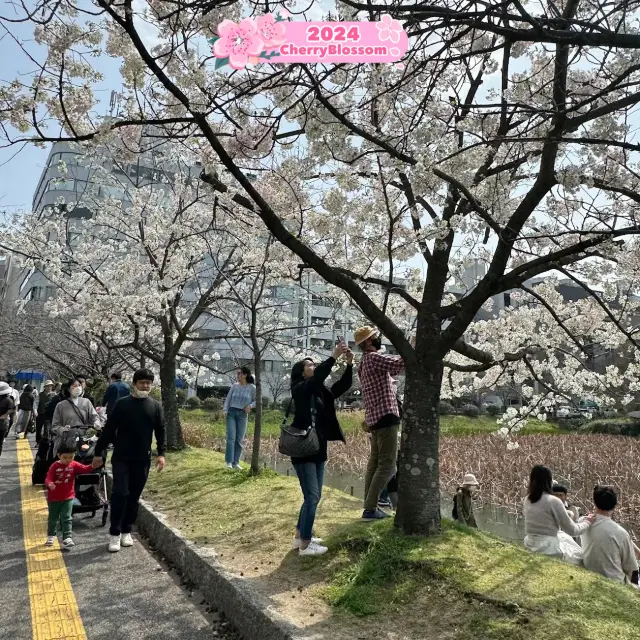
x=44, y=456
x=91, y=488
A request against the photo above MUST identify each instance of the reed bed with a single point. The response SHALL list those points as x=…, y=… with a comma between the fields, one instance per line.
x=577, y=461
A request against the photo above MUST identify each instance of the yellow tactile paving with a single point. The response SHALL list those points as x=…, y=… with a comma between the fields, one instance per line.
x=54, y=610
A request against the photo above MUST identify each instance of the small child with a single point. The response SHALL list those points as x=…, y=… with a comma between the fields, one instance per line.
x=60, y=482
x=462, y=501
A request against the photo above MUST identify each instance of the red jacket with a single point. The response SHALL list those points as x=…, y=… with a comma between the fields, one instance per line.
x=63, y=476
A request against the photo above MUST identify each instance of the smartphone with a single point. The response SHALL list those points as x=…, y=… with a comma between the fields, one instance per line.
x=339, y=339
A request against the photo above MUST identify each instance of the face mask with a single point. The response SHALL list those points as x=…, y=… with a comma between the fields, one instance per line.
x=75, y=392
x=140, y=394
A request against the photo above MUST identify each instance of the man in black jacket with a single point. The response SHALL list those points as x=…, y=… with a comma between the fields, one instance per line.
x=130, y=427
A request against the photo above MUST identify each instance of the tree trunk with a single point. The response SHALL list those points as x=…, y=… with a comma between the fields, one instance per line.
x=257, y=434
x=168, y=390
x=419, y=466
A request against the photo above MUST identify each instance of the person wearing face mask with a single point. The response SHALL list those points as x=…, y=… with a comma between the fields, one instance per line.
x=73, y=411
x=85, y=393
x=130, y=427
x=382, y=416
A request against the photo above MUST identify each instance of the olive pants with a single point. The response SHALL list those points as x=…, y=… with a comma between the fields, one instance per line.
x=382, y=464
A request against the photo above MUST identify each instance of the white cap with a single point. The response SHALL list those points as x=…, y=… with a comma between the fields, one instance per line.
x=5, y=389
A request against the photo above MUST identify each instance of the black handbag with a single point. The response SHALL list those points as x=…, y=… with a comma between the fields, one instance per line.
x=299, y=443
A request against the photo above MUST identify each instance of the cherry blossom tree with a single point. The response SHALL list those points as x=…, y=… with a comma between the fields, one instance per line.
x=504, y=138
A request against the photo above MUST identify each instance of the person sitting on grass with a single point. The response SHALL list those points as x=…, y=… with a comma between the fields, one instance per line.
x=561, y=492
x=545, y=518
x=61, y=481
x=607, y=547
x=462, y=501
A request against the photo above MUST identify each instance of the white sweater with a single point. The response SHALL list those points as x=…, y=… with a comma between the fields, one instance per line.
x=548, y=516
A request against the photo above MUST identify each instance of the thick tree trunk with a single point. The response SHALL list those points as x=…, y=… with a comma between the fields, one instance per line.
x=418, y=466
x=168, y=391
x=255, y=455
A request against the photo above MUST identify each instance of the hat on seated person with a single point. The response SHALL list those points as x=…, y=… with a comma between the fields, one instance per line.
x=470, y=479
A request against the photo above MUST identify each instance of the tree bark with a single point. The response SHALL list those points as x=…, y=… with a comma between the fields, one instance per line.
x=418, y=465
x=168, y=391
x=255, y=454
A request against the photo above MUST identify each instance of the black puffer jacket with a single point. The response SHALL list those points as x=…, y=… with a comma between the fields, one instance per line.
x=327, y=423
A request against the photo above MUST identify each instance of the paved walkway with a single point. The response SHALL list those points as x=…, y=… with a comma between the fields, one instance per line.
x=86, y=592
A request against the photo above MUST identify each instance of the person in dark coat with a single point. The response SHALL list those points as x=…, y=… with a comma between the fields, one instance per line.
x=307, y=382
x=116, y=390
x=45, y=397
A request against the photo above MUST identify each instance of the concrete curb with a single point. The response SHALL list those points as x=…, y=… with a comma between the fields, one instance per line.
x=248, y=611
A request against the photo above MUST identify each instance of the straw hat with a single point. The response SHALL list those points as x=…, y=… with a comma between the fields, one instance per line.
x=470, y=479
x=364, y=333
x=5, y=389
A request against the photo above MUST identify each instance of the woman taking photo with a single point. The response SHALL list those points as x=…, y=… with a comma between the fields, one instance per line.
x=307, y=389
x=237, y=407
x=546, y=520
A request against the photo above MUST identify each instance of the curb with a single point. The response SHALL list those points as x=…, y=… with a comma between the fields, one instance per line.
x=248, y=611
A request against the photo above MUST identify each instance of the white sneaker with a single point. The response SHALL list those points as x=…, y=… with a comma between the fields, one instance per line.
x=313, y=550
x=297, y=542
x=114, y=544
x=126, y=540
x=68, y=542
x=50, y=541
x=229, y=465
x=238, y=467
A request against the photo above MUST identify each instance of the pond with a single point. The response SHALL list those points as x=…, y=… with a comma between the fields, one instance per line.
x=491, y=518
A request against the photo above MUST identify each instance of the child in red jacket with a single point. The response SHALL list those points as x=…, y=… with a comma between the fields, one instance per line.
x=61, y=482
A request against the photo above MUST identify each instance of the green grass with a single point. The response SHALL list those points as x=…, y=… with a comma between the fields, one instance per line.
x=461, y=584
x=351, y=423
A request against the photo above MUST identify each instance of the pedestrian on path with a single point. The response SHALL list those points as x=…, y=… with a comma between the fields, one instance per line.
x=315, y=406
x=130, y=428
x=15, y=395
x=85, y=393
x=116, y=390
x=60, y=482
x=7, y=408
x=237, y=407
x=382, y=416
x=27, y=403
x=45, y=397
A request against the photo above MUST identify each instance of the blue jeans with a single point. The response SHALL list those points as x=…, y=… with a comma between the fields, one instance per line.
x=310, y=475
x=236, y=428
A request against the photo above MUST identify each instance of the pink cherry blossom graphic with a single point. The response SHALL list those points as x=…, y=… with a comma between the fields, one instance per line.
x=389, y=29
x=237, y=42
x=271, y=32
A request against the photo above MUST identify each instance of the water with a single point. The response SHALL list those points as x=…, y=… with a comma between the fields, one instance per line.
x=490, y=518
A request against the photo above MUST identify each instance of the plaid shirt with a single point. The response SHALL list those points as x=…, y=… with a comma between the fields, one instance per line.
x=378, y=387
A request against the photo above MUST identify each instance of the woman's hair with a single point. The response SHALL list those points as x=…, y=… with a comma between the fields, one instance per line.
x=28, y=389
x=540, y=481
x=247, y=372
x=297, y=372
x=66, y=388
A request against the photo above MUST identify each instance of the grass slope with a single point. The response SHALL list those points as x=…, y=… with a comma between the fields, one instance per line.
x=462, y=584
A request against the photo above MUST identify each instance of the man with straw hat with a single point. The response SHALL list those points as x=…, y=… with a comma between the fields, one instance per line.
x=382, y=416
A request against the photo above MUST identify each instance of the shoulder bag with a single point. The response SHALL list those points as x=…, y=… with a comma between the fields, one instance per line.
x=299, y=443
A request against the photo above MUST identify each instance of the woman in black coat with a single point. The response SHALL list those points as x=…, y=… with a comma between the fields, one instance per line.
x=307, y=382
